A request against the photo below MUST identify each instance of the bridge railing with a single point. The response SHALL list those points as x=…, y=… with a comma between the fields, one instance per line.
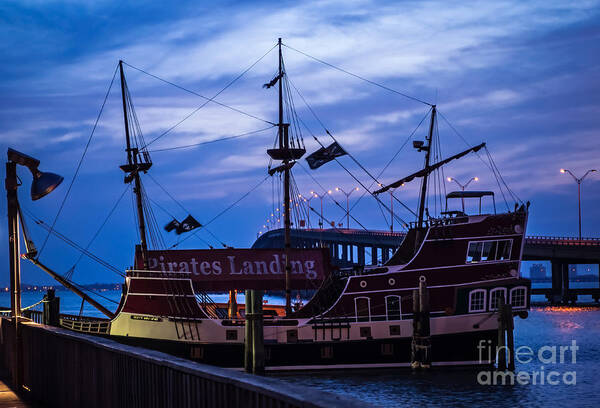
x=65, y=369
x=572, y=241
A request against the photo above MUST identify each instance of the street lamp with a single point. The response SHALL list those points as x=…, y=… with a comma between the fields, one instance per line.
x=321, y=197
x=347, y=203
x=307, y=201
x=462, y=187
x=43, y=183
x=578, y=181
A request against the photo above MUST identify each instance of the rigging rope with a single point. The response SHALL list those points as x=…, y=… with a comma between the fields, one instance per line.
x=350, y=155
x=184, y=209
x=72, y=270
x=392, y=159
x=222, y=212
x=204, y=97
x=488, y=165
x=358, y=76
x=212, y=141
x=70, y=242
x=79, y=164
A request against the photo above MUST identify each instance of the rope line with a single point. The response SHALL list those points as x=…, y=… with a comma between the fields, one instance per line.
x=79, y=164
x=212, y=141
x=222, y=212
x=203, y=97
x=358, y=76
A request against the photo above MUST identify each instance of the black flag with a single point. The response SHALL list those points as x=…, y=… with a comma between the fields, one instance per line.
x=324, y=155
x=174, y=224
x=187, y=225
x=273, y=81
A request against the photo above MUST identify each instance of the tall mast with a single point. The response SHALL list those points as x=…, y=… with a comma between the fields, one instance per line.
x=284, y=143
x=425, y=176
x=133, y=168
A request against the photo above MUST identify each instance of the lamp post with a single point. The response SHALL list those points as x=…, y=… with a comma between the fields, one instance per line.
x=347, y=203
x=462, y=187
x=307, y=201
x=321, y=197
x=43, y=183
x=578, y=181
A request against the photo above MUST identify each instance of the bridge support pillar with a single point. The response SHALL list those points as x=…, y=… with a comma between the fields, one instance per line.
x=557, y=282
x=345, y=252
x=361, y=255
x=373, y=255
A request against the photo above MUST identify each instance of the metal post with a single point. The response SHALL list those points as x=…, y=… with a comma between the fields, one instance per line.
x=579, y=205
x=248, y=331
x=258, y=345
x=392, y=211
x=11, y=186
x=347, y=210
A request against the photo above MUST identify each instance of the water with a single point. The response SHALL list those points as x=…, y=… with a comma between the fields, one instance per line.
x=548, y=326
x=545, y=326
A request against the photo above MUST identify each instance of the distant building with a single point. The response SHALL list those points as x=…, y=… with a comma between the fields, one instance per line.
x=537, y=271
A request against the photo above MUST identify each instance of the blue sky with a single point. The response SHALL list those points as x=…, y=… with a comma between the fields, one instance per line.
x=522, y=76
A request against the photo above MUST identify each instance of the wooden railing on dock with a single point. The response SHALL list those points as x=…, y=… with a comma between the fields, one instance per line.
x=65, y=369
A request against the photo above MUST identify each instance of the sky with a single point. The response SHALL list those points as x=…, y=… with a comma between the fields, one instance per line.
x=521, y=76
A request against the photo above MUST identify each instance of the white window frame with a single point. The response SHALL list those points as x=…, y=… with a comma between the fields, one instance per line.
x=356, y=307
x=471, y=293
x=495, y=255
x=387, y=315
x=503, y=290
x=512, y=290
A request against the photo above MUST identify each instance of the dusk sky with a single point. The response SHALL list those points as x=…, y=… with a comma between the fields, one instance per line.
x=521, y=76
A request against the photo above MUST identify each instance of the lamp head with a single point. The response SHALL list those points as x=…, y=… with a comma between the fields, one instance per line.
x=476, y=178
x=449, y=179
x=562, y=170
x=43, y=183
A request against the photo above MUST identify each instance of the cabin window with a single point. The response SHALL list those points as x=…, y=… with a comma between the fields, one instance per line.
x=486, y=251
x=518, y=296
x=363, y=309
x=495, y=295
x=474, y=254
x=393, y=308
x=477, y=300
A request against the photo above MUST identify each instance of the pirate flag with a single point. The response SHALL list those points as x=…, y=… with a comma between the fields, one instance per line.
x=174, y=224
x=187, y=225
x=325, y=155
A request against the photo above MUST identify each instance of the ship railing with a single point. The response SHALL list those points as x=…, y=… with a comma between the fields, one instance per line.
x=85, y=324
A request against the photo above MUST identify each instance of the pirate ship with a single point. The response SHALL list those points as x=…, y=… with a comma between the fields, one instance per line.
x=357, y=317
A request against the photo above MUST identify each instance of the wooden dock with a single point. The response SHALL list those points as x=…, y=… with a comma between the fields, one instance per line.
x=9, y=399
x=60, y=368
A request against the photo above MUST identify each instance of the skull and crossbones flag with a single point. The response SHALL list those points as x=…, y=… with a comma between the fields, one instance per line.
x=186, y=225
x=325, y=155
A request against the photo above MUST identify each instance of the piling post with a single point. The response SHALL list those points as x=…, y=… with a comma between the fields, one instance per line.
x=248, y=329
x=258, y=345
x=415, y=361
x=51, y=313
x=501, y=348
x=232, y=306
x=510, y=340
x=425, y=329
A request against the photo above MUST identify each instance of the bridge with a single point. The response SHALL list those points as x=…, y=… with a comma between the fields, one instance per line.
x=350, y=247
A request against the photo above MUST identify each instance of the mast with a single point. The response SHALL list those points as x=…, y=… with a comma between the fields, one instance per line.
x=284, y=143
x=426, y=174
x=133, y=168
